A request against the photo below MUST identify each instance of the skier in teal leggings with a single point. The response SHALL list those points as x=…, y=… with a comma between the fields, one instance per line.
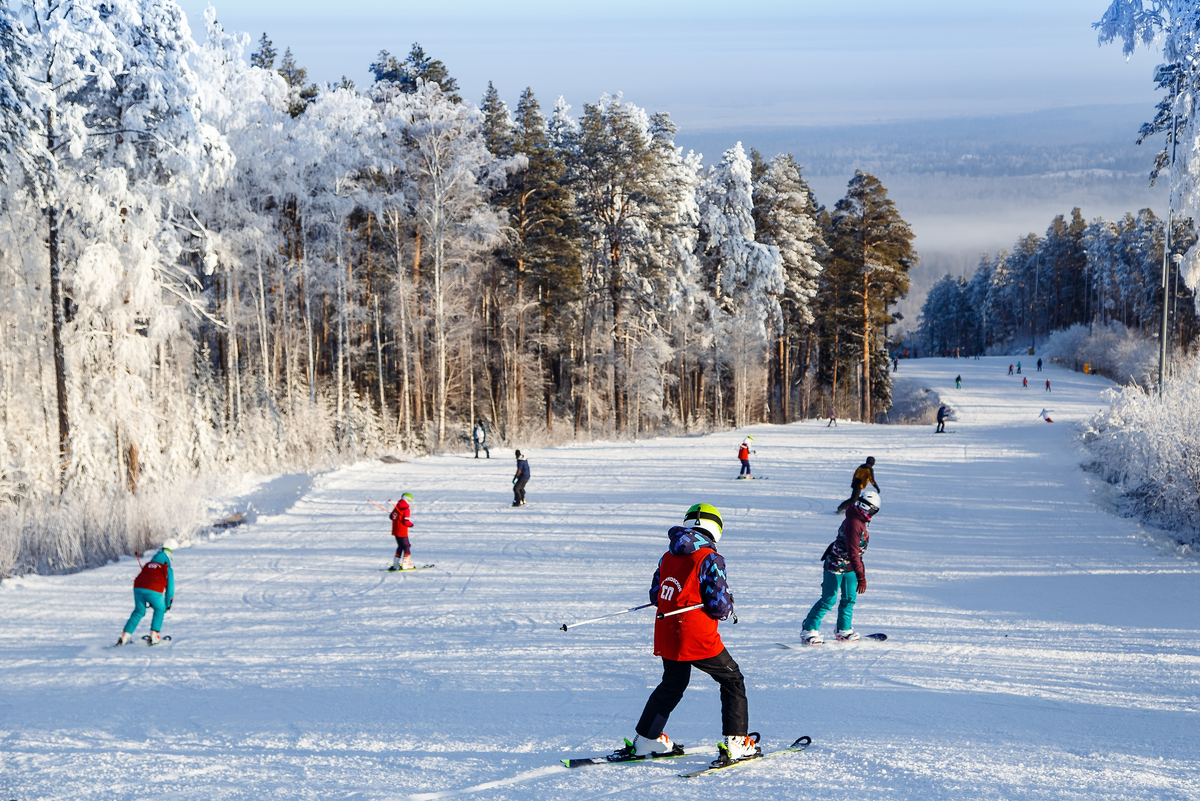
x=154, y=587
x=844, y=572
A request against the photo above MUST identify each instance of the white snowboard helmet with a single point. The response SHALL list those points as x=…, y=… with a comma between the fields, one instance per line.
x=868, y=502
x=170, y=545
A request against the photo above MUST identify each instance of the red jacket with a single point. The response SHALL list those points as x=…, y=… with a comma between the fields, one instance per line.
x=153, y=577
x=744, y=452
x=691, y=635
x=401, y=522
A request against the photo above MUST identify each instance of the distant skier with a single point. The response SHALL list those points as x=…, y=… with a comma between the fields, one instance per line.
x=844, y=572
x=1045, y=415
x=1039, y=365
x=895, y=364
x=941, y=420
x=479, y=434
x=864, y=474
x=1010, y=368
x=744, y=455
x=1024, y=383
x=154, y=587
x=1048, y=385
x=832, y=417
x=520, y=479
x=1018, y=368
x=401, y=518
x=692, y=573
x=958, y=382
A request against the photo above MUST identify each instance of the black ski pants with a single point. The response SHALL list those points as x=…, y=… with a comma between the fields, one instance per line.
x=519, y=490
x=735, y=719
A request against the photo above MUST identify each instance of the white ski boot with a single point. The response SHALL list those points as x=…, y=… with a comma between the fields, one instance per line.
x=736, y=748
x=395, y=564
x=811, y=638
x=850, y=635
x=407, y=563
x=644, y=746
x=155, y=639
x=125, y=638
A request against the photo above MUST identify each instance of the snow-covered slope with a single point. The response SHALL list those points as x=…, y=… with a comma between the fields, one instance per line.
x=1040, y=647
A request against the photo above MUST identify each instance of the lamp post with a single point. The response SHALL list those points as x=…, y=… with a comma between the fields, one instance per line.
x=1162, y=74
x=1037, y=266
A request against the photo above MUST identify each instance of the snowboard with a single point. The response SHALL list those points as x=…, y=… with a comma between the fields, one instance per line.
x=719, y=765
x=407, y=570
x=878, y=636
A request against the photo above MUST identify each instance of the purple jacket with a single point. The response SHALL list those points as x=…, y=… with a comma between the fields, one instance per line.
x=844, y=554
x=714, y=589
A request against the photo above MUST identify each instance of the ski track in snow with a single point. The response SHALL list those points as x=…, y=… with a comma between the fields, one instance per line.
x=1041, y=647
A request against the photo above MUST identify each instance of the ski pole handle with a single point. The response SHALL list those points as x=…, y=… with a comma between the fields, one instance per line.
x=662, y=615
x=566, y=626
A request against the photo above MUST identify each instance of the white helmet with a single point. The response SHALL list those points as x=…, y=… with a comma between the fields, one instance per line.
x=170, y=545
x=868, y=502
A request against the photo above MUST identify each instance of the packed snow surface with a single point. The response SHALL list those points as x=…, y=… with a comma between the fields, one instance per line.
x=1040, y=647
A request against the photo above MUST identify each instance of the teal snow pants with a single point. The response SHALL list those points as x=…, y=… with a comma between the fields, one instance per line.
x=831, y=583
x=141, y=599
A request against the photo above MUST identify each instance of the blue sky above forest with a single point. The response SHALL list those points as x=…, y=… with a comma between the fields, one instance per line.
x=721, y=64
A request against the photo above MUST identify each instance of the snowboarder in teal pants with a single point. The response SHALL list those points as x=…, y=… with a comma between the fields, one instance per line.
x=154, y=587
x=844, y=572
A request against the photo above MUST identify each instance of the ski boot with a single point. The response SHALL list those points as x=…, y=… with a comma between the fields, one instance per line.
x=407, y=563
x=736, y=748
x=395, y=564
x=811, y=638
x=125, y=638
x=850, y=635
x=645, y=746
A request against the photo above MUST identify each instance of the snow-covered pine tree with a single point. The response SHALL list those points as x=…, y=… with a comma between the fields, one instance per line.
x=873, y=252
x=745, y=276
x=784, y=216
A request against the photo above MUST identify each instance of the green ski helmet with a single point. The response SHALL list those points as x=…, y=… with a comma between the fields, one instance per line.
x=407, y=497
x=707, y=517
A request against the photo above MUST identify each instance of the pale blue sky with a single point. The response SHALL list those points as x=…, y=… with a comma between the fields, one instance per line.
x=720, y=65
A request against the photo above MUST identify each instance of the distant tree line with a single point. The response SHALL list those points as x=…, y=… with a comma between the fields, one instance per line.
x=1077, y=273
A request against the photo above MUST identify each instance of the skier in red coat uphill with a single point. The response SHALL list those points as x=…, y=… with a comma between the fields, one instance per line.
x=401, y=523
x=691, y=573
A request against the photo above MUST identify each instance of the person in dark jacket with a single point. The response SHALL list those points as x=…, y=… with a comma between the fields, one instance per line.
x=520, y=480
x=691, y=576
x=844, y=572
x=154, y=587
x=941, y=420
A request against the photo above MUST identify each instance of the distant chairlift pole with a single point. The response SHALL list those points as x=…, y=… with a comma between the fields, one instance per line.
x=1164, y=72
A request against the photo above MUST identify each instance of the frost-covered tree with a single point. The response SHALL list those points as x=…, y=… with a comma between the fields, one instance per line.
x=744, y=276
x=450, y=166
x=1175, y=26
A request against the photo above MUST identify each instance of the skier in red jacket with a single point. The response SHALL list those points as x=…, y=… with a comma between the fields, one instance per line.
x=692, y=574
x=401, y=523
x=744, y=455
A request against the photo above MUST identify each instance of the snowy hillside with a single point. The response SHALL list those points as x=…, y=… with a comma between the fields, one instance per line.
x=1040, y=647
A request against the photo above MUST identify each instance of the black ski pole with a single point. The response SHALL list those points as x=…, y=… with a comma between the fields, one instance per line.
x=566, y=626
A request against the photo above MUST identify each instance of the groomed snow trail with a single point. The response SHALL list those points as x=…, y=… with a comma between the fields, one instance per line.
x=1041, y=647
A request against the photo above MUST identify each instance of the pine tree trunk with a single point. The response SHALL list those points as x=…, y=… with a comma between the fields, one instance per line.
x=58, y=321
x=866, y=383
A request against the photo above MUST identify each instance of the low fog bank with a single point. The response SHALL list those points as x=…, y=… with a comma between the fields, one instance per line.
x=972, y=185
